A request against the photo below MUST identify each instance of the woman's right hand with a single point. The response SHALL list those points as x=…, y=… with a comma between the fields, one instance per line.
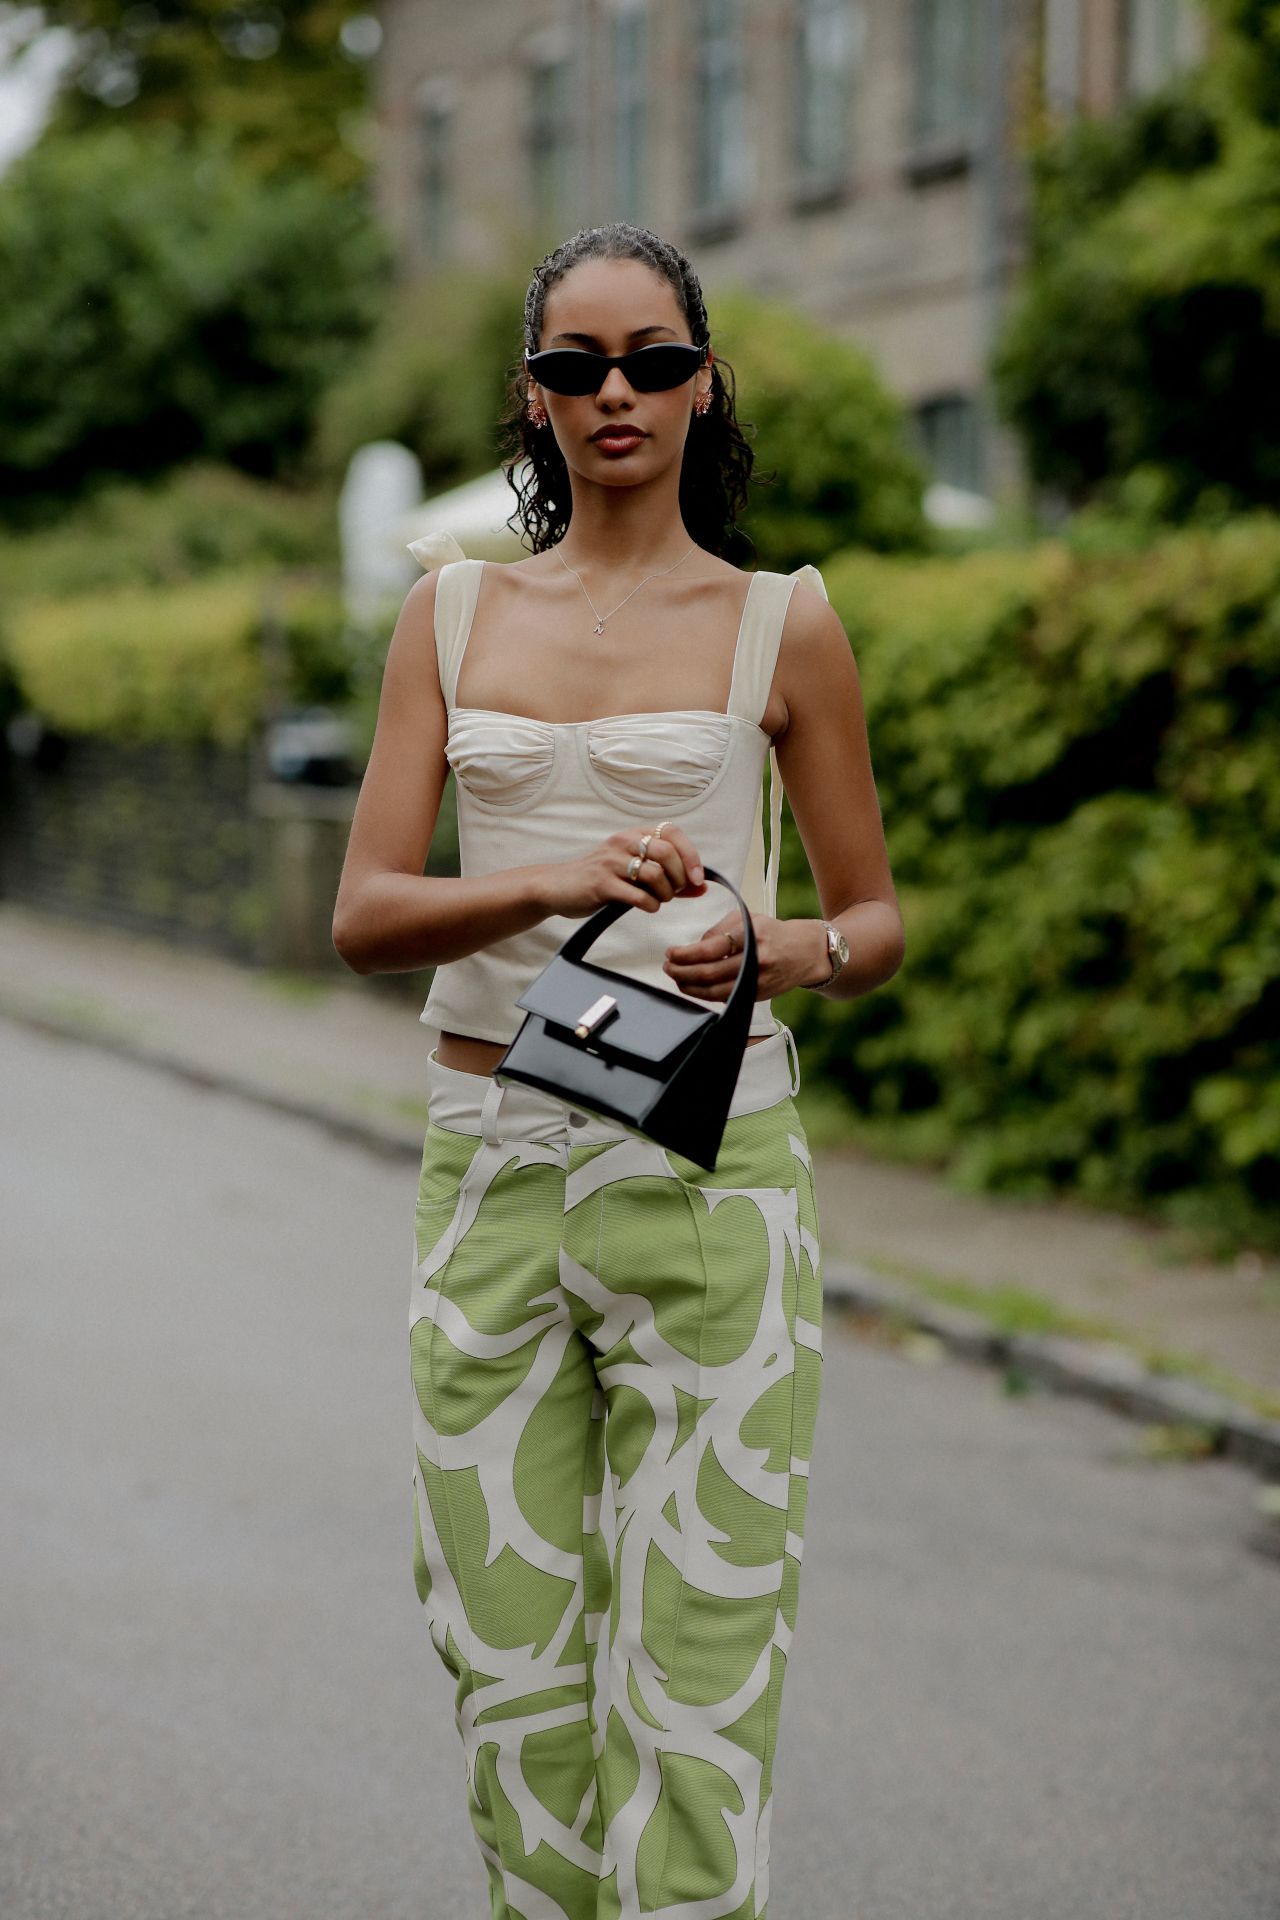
x=576, y=888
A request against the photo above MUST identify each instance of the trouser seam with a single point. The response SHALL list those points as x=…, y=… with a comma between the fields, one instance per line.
x=692, y=1443
x=592, y=1650
x=772, y=1704
x=443, y=1282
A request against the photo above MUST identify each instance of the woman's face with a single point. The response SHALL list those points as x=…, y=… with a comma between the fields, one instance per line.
x=611, y=307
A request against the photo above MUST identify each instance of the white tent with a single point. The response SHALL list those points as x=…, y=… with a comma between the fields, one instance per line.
x=474, y=514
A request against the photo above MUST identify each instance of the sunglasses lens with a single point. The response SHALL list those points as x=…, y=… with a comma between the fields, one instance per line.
x=649, y=369
x=655, y=368
x=563, y=370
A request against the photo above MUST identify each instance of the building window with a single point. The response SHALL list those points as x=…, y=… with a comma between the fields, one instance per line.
x=721, y=157
x=628, y=103
x=1159, y=38
x=828, y=39
x=435, y=172
x=945, y=76
x=551, y=134
x=948, y=436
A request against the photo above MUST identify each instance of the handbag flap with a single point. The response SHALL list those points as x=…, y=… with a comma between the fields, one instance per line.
x=650, y=1024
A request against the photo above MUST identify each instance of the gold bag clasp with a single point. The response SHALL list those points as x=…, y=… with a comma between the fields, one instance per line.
x=595, y=1013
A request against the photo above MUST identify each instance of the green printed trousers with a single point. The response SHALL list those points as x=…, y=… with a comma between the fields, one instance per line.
x=587, y=1305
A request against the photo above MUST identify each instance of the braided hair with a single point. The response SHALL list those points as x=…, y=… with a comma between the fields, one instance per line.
x=717, y=460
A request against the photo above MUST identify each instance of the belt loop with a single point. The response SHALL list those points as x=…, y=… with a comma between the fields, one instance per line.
x=793, y=1060
x=489, y=1112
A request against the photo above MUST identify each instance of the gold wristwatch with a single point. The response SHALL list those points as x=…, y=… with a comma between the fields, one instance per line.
x=838, y=948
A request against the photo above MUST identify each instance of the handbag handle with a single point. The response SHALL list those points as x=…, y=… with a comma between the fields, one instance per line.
x=737, y=1008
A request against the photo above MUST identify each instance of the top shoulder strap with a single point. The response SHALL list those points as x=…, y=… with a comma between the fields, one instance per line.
x=759, y=637
x=435, y=550
x=456, y=592
x=753, y=669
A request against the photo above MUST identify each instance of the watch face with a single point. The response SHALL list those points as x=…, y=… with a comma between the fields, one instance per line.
x=842, y=948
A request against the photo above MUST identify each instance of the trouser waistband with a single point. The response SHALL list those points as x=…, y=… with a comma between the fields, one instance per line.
x=476, y=1103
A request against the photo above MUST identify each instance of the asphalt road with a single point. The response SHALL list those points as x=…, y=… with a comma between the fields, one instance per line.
x=1036, y=1676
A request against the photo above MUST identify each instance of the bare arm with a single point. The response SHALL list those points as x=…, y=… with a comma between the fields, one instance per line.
x=389, y=916
x=825, y=762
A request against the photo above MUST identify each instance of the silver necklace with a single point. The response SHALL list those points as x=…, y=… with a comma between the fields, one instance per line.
x=602, y=617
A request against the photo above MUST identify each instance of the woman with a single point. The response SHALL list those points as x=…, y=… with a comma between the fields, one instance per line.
x=583, y=1299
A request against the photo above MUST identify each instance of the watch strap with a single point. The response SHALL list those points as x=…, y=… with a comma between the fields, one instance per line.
x=816, y=986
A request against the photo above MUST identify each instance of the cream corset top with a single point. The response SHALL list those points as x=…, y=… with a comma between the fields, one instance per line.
x=539, y=790
x=639, y=760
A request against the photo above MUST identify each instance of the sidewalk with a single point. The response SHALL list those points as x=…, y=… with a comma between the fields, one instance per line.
x=1087, y=1302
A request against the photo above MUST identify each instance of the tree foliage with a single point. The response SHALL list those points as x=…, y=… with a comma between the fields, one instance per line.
x=1143, y=350
x=285, y=81
x=173, y=306
x=432, y=376
x=833, y=460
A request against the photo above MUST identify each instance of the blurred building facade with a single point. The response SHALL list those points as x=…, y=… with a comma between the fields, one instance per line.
x=861, y=158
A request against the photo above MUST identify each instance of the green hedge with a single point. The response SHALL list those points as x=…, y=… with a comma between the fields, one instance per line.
x=201, y=518
x=1078, y=762
x=181, y=662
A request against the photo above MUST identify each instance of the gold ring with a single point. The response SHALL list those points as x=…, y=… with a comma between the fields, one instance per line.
x=657, y=832
x=733, y=944
x=644, y=844
x=634, y=866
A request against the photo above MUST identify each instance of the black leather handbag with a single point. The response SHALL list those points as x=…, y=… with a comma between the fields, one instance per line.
x=651, y=1061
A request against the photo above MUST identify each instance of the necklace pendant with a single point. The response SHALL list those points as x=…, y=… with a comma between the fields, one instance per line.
x=599, y=626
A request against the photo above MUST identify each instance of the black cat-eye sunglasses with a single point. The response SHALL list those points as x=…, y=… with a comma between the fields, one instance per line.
x=652, y=369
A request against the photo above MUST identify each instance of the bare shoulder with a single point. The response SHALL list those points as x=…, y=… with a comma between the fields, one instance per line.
x=411, y=652
x=513, y=579
x=816, y=667
x=813, y=635
x=420, y=601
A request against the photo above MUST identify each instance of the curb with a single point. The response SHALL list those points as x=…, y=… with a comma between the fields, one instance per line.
x=336, y=1120
x=1092, y=1370
x=1105, y=1373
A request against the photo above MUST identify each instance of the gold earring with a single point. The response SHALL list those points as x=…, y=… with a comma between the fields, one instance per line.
x=537, y=414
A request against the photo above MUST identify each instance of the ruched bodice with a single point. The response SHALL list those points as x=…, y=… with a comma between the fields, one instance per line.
x=641, y=759
x=531, y=791
x=502, y=759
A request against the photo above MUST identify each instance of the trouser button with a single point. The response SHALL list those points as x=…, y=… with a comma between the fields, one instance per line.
x=577, y=1119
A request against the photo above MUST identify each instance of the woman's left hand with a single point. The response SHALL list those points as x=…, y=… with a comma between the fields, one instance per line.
x=789, y=953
